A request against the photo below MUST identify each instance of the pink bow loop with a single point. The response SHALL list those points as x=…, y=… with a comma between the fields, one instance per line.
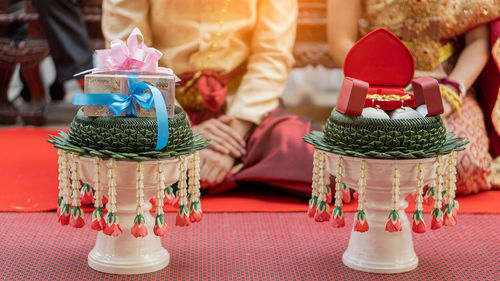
x=133, y=55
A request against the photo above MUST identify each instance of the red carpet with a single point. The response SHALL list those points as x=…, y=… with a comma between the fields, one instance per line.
x=252, y=246
x=28, y=182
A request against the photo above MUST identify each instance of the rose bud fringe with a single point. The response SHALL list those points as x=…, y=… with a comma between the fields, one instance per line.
x=87, y=195
x=360, y=222
x=139, y=228
x=449, y=210
x=60, y=187
x=393, y=223
x=437, y=214
x=418, y=225
x=65, y=210
x=322, y=213
x=112, y=226
x=76, y=219
x=337, y=219
x=195, y=212
x=98, y=222
x=182, y=218
x=161, y=228
x=315, y=191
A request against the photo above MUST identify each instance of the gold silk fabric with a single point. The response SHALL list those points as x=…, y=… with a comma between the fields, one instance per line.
x=258, y=32
x=425, y=24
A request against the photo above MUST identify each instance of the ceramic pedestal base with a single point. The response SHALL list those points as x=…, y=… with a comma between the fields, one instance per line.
x=126, y=254
x=377, y=250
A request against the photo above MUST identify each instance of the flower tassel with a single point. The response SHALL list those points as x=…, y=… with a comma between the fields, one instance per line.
x=337, y=219
x=360, y=222
x=139, y=228
x=437, y=214
x=112, y=227
x=393, y=223
x=195, y=212
x=161, y=228
x=182, y=218
x=65, y=209
x=418, y=225
x=60, y=187
x=322, y=213
x=315, y=188
x=98, y=222
x=76, y=220
x=449, y=210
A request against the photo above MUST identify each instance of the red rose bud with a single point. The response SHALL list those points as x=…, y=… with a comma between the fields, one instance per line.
x=195, y=212
x=418, y=225
x=182, y=216
x=321, y=214
x=139, y=230
x=328, y=194
x=312, y=207
x=87, y=195
x=98, y=224
x=76, y=219
x=449, y=218
x=337, y=219
x=113, y=229
x=360, y=223
x=346, y=194
x=429, y=197
x=76, y=222
x=393, y=224
x=64, y=214
x=161, y=230
x=437, y=219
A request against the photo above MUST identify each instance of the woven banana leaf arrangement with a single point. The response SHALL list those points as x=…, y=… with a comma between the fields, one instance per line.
x=127, y=138
x=385, y=138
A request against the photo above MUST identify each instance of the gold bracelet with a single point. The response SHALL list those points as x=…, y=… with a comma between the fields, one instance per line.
x=451, y=96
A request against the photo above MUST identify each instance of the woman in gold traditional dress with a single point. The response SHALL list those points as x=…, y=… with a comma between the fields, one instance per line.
x=449, y=40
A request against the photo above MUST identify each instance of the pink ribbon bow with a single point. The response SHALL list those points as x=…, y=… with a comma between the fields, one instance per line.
x=133, y=55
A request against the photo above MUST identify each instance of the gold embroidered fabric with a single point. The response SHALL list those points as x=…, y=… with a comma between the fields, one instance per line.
x=424, y=24
x=261, y=32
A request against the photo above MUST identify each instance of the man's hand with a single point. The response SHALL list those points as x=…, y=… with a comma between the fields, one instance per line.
x=214, y=166
x=223, y=138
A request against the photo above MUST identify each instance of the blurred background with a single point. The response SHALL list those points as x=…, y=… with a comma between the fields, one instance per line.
x=29, y=34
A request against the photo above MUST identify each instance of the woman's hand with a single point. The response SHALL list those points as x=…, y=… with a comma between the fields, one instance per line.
x=223, y=138
x=214, y=166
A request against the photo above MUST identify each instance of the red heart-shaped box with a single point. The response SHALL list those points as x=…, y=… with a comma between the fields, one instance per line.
x=386, y=64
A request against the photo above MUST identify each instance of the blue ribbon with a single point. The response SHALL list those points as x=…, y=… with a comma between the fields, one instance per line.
x=145, y=95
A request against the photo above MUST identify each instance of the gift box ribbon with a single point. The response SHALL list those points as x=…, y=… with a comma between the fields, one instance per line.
x=144, y=94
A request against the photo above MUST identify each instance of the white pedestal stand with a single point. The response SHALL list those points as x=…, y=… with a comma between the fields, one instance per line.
x=126, y=254
x=377, y=250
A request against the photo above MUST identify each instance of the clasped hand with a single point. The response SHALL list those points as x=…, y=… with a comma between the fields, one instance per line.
x=225, y=146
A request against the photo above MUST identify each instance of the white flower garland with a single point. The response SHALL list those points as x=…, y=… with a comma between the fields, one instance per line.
x=111, y=206
x=140, y=189
x=338, y=182
x=420, y=187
